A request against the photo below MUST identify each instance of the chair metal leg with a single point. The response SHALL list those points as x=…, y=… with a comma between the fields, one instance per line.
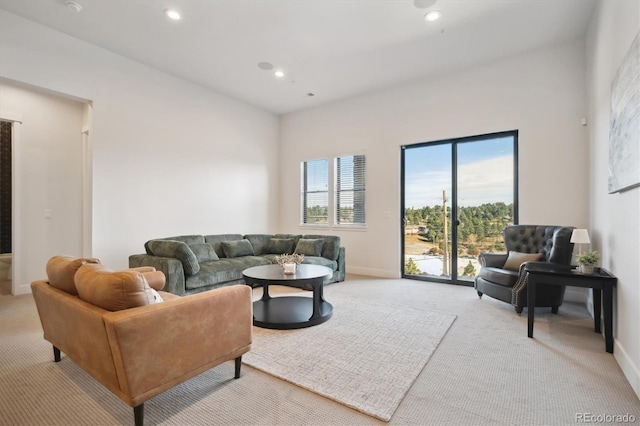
x=138, y=414
x=238, y=365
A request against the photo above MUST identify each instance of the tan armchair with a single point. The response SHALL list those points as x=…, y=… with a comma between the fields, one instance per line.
x=141, y=351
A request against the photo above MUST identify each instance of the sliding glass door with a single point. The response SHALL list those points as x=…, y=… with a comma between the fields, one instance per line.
x=457, y=197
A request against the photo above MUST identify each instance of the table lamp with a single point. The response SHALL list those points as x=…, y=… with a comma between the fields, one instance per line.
x=580, y=236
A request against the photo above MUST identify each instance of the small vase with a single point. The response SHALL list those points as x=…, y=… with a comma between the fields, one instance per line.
x=586, y=269
x=289, y=268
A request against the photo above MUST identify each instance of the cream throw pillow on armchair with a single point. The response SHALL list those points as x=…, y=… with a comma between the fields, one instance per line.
x=515, y=259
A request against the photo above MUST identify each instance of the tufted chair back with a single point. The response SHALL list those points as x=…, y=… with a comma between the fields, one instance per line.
x=552, y=241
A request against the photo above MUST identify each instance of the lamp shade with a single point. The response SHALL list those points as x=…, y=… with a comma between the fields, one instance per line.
x=580, y=236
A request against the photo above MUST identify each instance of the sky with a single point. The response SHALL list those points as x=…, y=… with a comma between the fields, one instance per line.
x=485, y=173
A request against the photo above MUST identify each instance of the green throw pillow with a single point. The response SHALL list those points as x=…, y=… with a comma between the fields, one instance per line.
x=280, y=246
x=237, y=248
x=204, y=252
x=178, y=250
x=310, y=247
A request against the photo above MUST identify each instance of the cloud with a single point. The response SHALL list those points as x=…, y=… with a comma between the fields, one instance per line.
x=486, y=181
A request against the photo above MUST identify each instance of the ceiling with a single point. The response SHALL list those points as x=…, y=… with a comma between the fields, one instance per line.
x=333, y=49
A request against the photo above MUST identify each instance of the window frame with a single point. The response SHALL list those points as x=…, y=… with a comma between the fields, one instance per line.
x=304, y=193
x=355, y=189
x=332, y=194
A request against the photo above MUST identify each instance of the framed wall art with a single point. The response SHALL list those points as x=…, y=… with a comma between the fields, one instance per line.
x=624, y=130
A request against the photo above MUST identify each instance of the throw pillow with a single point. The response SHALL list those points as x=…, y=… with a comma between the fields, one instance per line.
x=156, y=279
x=280, y=246
x=204, y=252
x=310, y=247
x=61, y=270
x=515, y=259
x=178, y=250
x=237, y=248
x=113, y=291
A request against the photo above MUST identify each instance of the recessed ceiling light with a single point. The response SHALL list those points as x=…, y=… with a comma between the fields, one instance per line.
x=434, y=15
x=265, y=66
x=423, y=4
x=279, y=74
x=73, y=6
x=172, y=14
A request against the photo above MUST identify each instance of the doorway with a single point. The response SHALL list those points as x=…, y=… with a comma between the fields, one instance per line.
x=47, y=177
x=457, y=196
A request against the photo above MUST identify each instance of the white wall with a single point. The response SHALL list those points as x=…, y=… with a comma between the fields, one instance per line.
x=615, y=218
x=49, y=156
x=540, y=93
x=170, y=157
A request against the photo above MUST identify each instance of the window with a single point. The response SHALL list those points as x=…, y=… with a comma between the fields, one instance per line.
x=350, y=190
x=315, y=191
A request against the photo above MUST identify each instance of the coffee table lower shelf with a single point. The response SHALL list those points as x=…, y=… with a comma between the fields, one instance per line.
x=289, y=312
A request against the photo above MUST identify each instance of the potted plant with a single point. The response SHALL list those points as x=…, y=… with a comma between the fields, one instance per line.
x=586, y=261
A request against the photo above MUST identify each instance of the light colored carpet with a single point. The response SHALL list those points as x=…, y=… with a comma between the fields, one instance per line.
x=366, y=356
x=485, y=372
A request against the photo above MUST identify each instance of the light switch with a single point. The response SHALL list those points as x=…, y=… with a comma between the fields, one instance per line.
x=47, y=213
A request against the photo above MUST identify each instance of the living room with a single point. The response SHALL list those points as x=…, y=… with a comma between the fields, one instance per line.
x=170, y=157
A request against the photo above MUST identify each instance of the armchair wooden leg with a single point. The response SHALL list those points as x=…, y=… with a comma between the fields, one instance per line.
x=554, y=309
x=138, y=414
x=519, y=309
x=238, y=365
x=56, y=354
x=480, y=294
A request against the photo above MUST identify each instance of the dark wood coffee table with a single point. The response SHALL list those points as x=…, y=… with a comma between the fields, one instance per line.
x=289, y=312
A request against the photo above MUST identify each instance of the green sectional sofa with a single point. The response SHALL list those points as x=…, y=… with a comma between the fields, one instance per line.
x=195, y=263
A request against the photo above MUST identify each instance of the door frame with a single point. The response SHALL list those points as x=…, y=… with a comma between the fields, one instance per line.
x=454, y=198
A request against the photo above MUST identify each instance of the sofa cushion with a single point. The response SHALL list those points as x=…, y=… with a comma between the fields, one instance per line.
x=280, y=246
x=187, y=239
x=331, y=248
x=499, y=276
x=237, y=248
x=204, y=252
x=259, y=242
x=516, y=259
x=216, y=241
x=178, y=250
x=223, y=271
x=62, y=269
x=113, y=291
x=322, y=261
x=310, y=246
x=156, y=279
x=295, y=237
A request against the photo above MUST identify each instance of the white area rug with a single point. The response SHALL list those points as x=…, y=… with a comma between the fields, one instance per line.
x=366, y=356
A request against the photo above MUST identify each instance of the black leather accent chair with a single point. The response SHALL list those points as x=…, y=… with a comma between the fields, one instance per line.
x=552, y=242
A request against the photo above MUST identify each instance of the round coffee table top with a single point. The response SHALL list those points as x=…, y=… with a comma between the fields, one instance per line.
x=275, y=273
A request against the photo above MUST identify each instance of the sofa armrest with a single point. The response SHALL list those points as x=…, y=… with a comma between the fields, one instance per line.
x=156, y=347
x=171, y=267
x=493, y=260
x=340, y=273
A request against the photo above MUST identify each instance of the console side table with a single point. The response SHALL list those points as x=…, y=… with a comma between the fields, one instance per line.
x=601, y=281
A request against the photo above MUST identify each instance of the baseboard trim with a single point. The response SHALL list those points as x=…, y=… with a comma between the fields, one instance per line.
x=370, y=272
x=23, y=289
x=629, y=369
